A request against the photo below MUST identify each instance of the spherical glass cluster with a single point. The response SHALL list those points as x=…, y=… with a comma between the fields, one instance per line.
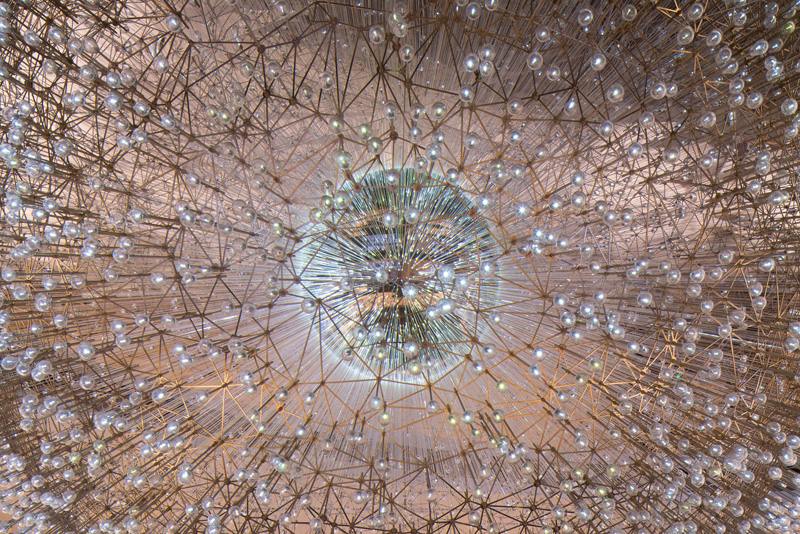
x=402, y=267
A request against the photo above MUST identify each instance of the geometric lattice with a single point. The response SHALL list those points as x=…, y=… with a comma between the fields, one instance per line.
x=403, y=267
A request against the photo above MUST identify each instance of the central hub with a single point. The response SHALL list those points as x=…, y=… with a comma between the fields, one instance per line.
x=400, y=269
